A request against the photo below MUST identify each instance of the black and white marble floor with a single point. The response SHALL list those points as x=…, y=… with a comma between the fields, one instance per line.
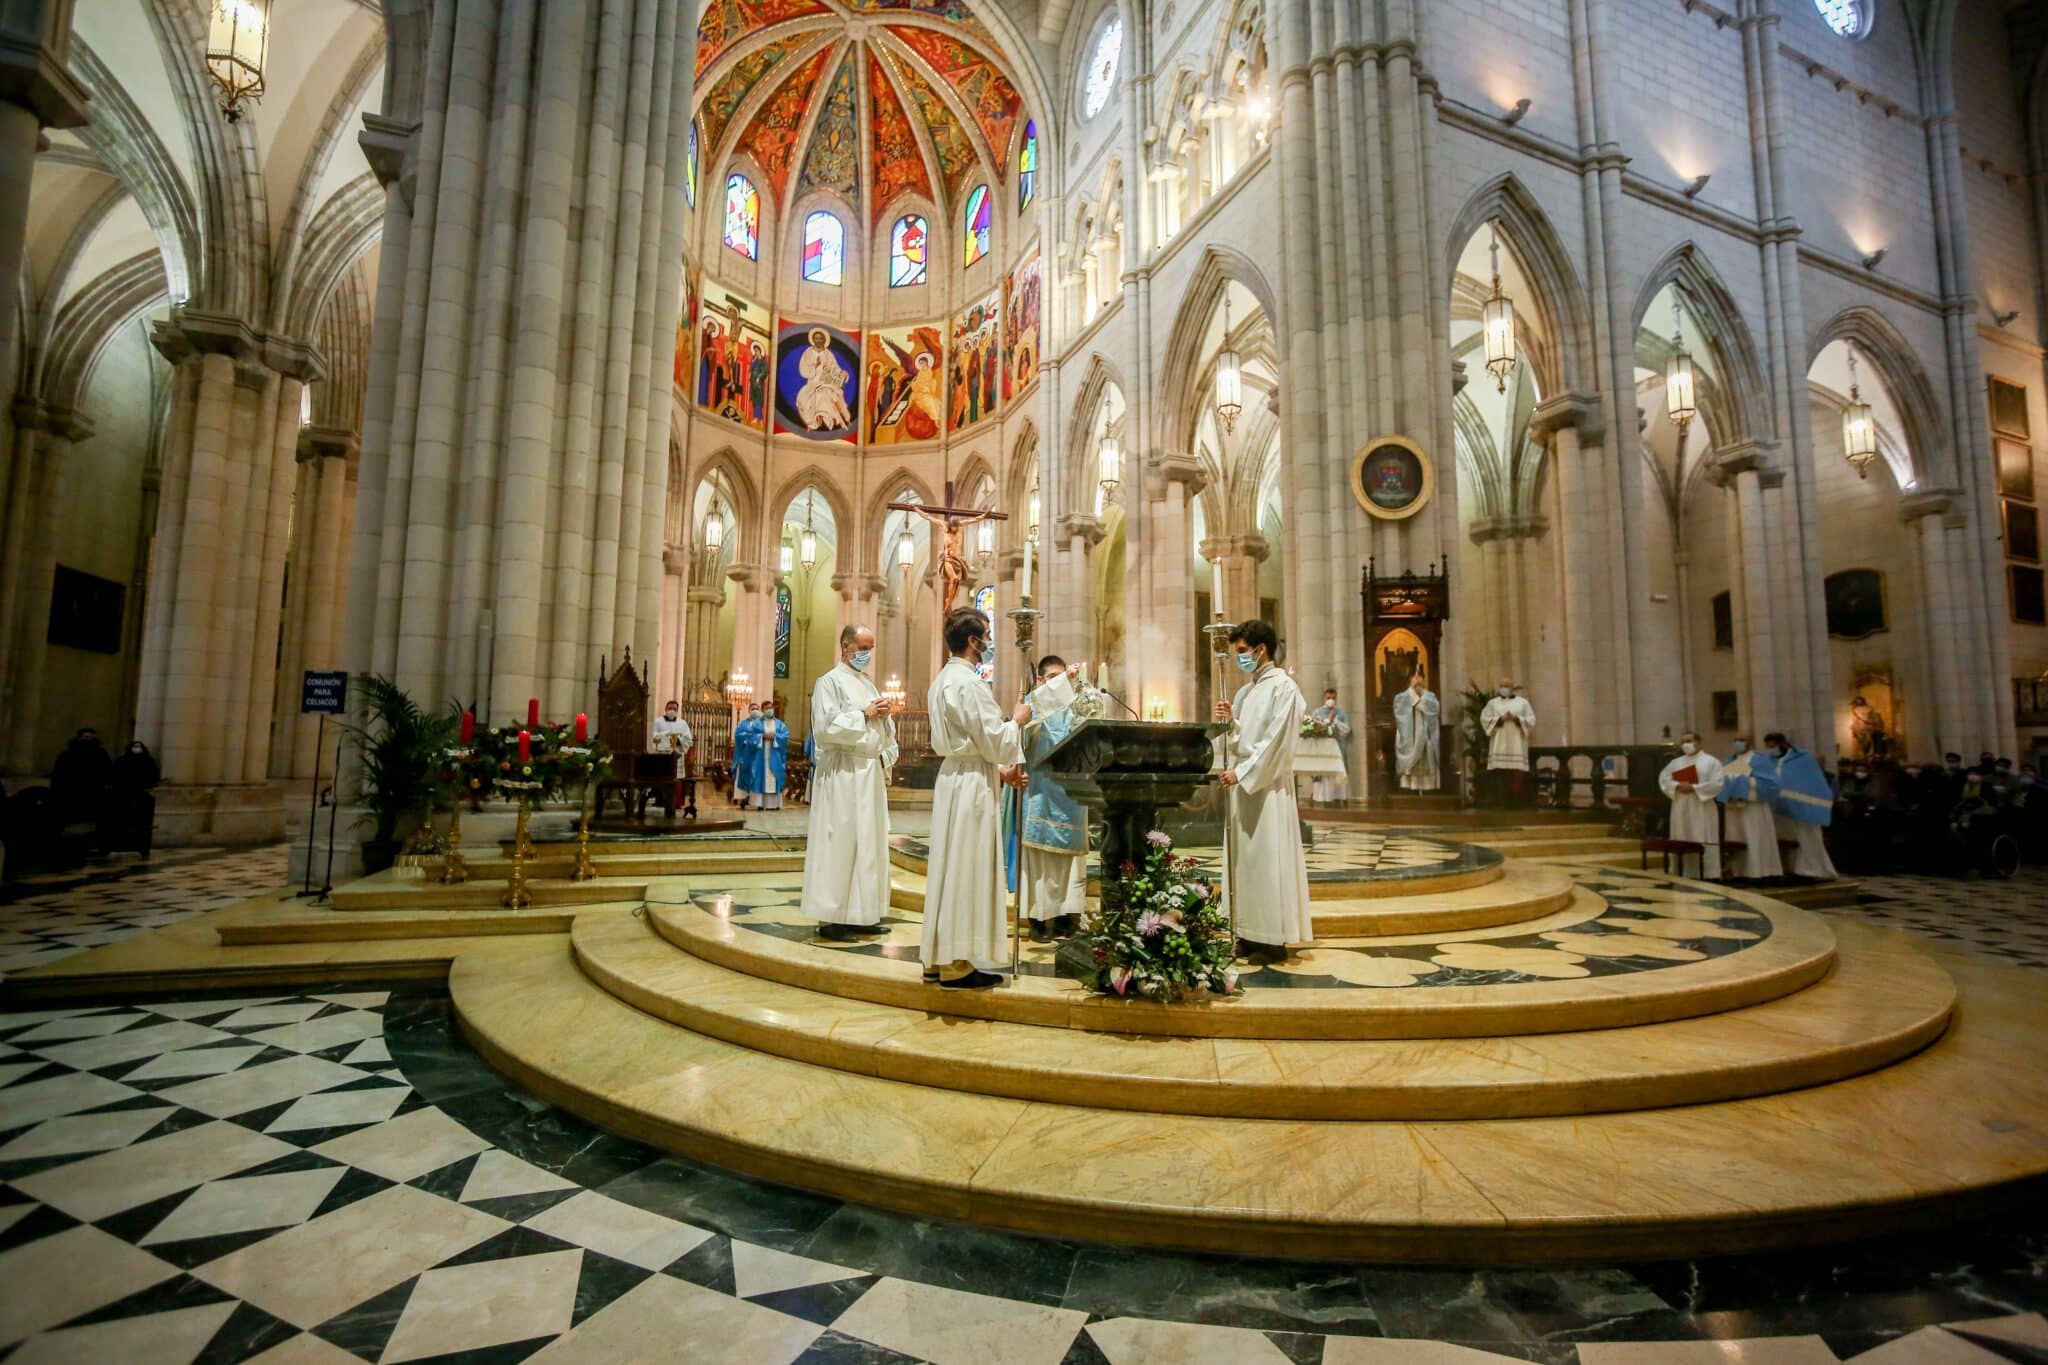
x=334, y=1176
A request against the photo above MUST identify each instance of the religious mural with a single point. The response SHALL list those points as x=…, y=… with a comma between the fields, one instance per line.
x=898, y=161
x=1022, y=291
x=833, y=161
x=732, y=361
x=904, y=397
x=732, y=89
x=975, y=386
x=771, y=136
x=817, y=381
x=992, y=101
x=686, y=334
x=950, y=142
x=726, y=21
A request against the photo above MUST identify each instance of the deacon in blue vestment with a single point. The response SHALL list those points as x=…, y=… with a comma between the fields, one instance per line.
x=774, y=763
x=746, y=758
x=1805, y=805
x=1055, y=857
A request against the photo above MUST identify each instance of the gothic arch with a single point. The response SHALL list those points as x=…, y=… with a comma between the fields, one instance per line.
x=1566, y=364
x=1740, y=408
x=1913, y=396
x=122, y=137
x=973, y=470
x=303, y=217
x=80, y=329
x=811, y=476
x=739, y=486
x=1017, y=480
x=1100, y=377
x=886, y=492
x=340, y=234
x=1220, y=268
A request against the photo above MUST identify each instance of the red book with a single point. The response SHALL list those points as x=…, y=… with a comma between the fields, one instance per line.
x=1689, y=775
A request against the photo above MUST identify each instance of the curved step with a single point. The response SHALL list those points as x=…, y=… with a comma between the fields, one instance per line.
x=1796, y=954
x=1865, y=1014
x=1912, y=1144
x=906, y=885
x=1522, y=891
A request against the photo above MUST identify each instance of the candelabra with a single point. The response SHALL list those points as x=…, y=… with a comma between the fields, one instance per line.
x=517, y=897
x=585, y=869
x=453, y=868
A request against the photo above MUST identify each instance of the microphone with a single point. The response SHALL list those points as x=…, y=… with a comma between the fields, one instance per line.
x=1119, y=701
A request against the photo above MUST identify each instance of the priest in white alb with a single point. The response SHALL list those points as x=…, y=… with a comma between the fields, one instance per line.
x=1418, y=736
x=1269, y=874
x=1507, y=720
x=846, y=857
x=672, y=735
x=965, y=932
x=1749, y=784
x=1692, y=781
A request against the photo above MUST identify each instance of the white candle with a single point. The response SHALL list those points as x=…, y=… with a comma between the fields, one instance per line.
x=1024, y=581
x=1216, y=585
x=1102, y=676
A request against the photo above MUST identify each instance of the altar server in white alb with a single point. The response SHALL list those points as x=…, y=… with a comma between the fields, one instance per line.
x=1692, y=781
x=1749, y=784
x=1270, y=875
x=846, y=859
x=1507, y=720
x=965, y=929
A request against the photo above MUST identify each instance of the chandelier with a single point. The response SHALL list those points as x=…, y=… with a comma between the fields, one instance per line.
x=1112, y=462
x=984, y=542
x=237, y=32
x=807, y=543
x=1497, y=322
x=1680, y=400
x=1859, y=427
x=1229, y=375
x=739, y=688
x=714, y=527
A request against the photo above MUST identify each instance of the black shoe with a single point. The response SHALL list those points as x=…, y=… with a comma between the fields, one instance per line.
x=1039, y=932
x=973, y=981
x=1066, y=926
x=866, y=930
x=931, y=976
x=837, y=933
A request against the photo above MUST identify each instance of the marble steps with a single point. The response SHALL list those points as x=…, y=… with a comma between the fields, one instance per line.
x=1865, y=1014
x=602, y=844
x=906, y=886
x=1797, y=954
x=1545, y=845
x=326, y=926
x=1947, y=1131
x=386, y=892
x=555, y=862
x=1520, y=892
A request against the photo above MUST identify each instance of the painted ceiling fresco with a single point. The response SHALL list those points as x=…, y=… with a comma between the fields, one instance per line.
x=771, y=136
x=780, y=80
x=725, y=22
x=833, y=161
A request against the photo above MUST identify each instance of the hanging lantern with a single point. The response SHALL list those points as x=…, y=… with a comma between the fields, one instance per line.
x=906, y=548
x=1229, y=376
x=1681, y=400
x=1859, y=426
x=1112, y=465
x=714, y=529
x=237, y=32
x=788, y=559
x=1497, y=322
x=985, y=541
x=807, y=543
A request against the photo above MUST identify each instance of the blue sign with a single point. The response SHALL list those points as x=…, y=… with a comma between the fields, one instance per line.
x=324, y=693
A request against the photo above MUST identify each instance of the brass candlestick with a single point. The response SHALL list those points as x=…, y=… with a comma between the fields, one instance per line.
x=1218, y=632
x=517, y=897
x=585, y=869
x=453, y=868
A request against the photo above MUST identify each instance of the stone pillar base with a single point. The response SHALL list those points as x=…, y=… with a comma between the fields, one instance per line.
x=231, y=815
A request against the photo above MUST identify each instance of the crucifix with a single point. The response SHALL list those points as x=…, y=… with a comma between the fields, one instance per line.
x=955, y=520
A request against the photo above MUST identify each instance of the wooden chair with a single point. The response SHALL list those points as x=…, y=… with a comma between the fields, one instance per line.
x=637, y=776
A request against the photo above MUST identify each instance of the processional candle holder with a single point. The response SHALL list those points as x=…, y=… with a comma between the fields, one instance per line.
x=453, y=868
x=1219, y=631
x=1025, y=618
x=585, y=869
x=517, y=897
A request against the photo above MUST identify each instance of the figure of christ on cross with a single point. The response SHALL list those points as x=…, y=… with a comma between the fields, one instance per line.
x=955, y=520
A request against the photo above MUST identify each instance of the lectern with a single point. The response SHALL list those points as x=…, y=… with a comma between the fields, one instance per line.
x=1126, y=770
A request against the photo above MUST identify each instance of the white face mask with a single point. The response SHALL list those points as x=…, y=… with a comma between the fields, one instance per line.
x=1507, y=691
x=862, y=658
x=1741, y=746
x=1690, y=747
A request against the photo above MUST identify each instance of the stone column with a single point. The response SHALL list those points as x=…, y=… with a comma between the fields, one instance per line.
x=36, y=92
x=1761, y=634
x=1165, y=661
x=517, y=418
x=1072, y=631
x=1596, y=639
x=705, y=599
x=43, y=437
x=1950, y=696
x=753, y=638
x=326, y=459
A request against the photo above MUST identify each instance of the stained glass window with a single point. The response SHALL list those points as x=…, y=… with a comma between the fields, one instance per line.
x=782, y=605
x=743, y=216
x=907, y=251
x=985, y=603
x=1102, y=63
x=690, y=168
x=1027, y=166
x=977, y=224
x=824, y=249
x=1848, y=18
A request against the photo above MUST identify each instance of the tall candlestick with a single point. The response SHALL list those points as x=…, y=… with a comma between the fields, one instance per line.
x=533, y=713
x=526, y=746
x=1216, y=585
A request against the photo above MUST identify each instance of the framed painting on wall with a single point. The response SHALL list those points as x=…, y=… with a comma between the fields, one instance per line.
x=2022, y=531
x=2009, y=408
x=1727, y=711
x=1855, y=602
x=2028, y=608
x=2015, y=468
x=1391, y=477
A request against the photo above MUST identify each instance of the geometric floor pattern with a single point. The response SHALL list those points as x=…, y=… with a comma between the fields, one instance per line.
x=334, y=1176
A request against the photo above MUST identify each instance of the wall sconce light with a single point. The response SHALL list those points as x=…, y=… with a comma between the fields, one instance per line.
x=1699, y=182
x=2004, y=319
x=1516, y=114
x=1876, y=258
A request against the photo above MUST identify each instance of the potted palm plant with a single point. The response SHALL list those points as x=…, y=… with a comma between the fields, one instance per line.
x=399, y=749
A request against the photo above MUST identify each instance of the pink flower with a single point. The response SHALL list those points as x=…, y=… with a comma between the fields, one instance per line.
x=1150, y=923
x=1158, y=839
x=1229, y=981
x=1119, y=978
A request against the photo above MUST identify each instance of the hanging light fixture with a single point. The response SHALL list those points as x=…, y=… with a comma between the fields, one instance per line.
x=714, y=528
x=1681, y=401
x=1497, y=322
x=984, y=541
x=788, y=560
x=1859, y=427
x=807, y=544
x=906, y=548
x=237, y=32
x=1229, y=375
x=1112, y=465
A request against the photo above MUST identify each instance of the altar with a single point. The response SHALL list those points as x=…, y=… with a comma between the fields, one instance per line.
x=1318, y=758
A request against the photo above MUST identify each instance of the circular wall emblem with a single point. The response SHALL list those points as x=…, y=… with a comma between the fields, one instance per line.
x=1391, y=478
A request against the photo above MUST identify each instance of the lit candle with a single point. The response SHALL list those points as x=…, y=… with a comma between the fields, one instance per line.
x=533, y=713
x=468, y=727
x=1102, y=676
x=1216, y=585
x=1024, y=581
x=526, y=746
x=582, y=727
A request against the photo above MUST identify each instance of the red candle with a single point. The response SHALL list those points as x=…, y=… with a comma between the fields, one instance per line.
x=468, y=727
x=533, y=713
x=582, y=727
x=525, y=746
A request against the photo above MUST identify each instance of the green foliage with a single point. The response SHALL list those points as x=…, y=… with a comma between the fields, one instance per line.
x=399, y=750
x=1473, y=700
x=557, y=769
x=1163, y=935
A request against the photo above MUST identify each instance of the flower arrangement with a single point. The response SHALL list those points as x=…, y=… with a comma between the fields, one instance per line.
x=1312, y=728
x=1162, y=934
x=547, y=764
